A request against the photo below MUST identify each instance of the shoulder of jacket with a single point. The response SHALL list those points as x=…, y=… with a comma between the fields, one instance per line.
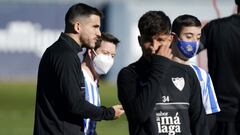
x=220, y=21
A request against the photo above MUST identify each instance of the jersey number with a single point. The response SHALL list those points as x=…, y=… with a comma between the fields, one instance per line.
x=165, y=99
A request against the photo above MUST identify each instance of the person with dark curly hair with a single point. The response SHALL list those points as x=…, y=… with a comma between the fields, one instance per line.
x=160, y=96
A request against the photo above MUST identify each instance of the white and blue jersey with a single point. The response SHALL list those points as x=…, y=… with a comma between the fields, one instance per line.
x=208, y=93
x=92, y=96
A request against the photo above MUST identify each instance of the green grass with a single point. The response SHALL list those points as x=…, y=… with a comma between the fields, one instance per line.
x=17, y=102
x=16, y=108
x=108, y=98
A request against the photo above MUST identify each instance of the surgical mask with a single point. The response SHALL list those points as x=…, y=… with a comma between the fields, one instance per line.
x=102, y=63
x=188, y=49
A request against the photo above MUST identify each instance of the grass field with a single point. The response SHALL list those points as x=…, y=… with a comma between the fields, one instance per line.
x=17, y=101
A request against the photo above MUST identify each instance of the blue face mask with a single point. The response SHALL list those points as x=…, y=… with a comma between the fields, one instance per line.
x=188, y=49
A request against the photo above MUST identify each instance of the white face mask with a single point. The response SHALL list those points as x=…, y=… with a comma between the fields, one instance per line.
x=102, y=63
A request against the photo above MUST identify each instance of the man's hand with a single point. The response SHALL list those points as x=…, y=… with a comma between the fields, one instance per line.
x=163, y=50
x=118, y=111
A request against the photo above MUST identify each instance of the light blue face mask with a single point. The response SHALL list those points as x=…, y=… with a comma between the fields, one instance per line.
x=188, y=49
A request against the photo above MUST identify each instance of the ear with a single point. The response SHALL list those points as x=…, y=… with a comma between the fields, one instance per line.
x=140, y=40
x=172, y=36
x=77, y=27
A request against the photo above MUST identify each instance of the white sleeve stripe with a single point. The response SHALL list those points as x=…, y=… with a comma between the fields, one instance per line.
x=208, y=94
x=212, y=96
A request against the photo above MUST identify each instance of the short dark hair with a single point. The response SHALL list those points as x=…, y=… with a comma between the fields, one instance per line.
x=154, y=22
x=184, y=21
x=79, y=10
x=106, y=37
x=237, y=2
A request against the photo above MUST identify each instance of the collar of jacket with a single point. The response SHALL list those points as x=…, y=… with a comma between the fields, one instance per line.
x=72, y=43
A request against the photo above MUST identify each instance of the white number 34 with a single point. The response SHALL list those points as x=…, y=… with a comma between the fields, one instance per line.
x=165, y=99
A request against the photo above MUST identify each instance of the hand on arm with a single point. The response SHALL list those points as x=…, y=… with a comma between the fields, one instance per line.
x=72, y=89
x=162, y=50
x=118, y=111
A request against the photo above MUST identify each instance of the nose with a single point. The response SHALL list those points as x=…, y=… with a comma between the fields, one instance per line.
x=98, y=33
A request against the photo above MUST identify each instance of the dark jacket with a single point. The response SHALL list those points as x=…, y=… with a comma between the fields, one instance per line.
x=161, y=97
x=60, y=101
x=221, y=38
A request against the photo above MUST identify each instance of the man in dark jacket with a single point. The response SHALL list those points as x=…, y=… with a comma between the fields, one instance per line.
x=221, y=38
x=160, y=96
x=60, y=100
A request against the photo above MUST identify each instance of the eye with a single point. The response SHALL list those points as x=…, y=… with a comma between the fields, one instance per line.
x=105, y=53
x=161, y=39
x=113, y=55
x=96, y=26
x=198, y=37
x=189, y=36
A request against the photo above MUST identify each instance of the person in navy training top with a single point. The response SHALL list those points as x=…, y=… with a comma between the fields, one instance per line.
x=221, y=38
x=187, y=31
x=160, y=96
x=97, y=62
x=60, y=101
